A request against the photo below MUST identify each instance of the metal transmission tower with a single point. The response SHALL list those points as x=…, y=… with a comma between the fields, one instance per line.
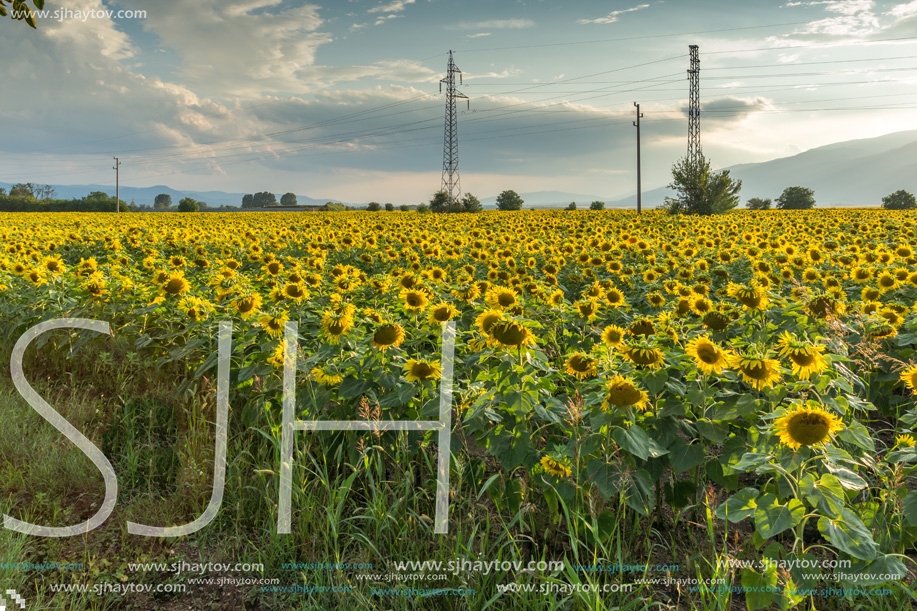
x=694, y=151
x=451, y=184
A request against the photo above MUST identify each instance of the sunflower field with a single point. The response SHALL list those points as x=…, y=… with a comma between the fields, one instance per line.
x=742, y=383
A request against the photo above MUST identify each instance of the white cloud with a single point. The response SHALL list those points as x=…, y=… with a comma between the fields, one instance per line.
x=904, y=10
x=99, y=33
x=496, y=24
x=393, y=7
x=851, y=18
x=225, y=49
x=613, y=15
x=478, y=35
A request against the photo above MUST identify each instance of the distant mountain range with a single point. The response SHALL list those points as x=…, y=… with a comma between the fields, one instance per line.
x=850, y=173
x=146, y=195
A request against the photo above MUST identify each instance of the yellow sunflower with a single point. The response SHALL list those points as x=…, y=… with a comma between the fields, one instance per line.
x=195, y=308
x=323, y=376
x=54, y=265
x=511, y=334
x=248, y=306
x=442, y=312
x=501, y=298
x=708, y=356
x=909, y=377
x=335, y=325
x=613, y=336
x=388, y=336
x=588, y=309
x=415, y=300
x=293, y=291
x=555, y=467
x=806, y=426
x=757, y=372
x=644, y=355
x=487, y=319
x=750, y=296
x=805, y=358
x=556, y=298
x=581, y=366
x=273, y=325
x=174, y=284
x=415, y=370
x=623, y=392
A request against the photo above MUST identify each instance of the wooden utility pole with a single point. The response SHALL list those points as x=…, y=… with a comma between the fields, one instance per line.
x=639, y=193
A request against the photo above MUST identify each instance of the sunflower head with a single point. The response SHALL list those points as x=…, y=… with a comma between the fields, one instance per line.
x=555, y=467
x=758, y=372
x=442, y=312
x=324, y=375
x=415, y=370
x=415, y=300
x=909, y=377
x=174, y=284
x=581, y=366
x=273, y=324
x=294, y=292
x=622, y=392
x=708, y=357
x=717, y=321
x=824, y=306
x=642, y=326
x=511, y=334
x=248, y=306
x=335, y=325
x=388, y=336
x=501, y=298
x=613, y=336
x=805, y=358
x=644, y=355
x=806, y=425
x=751, y=296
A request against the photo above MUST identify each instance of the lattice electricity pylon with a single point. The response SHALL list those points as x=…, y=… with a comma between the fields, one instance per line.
x=694, y=152
x=451, y=184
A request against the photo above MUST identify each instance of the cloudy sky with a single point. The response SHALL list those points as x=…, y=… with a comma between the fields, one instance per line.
x=340, y=99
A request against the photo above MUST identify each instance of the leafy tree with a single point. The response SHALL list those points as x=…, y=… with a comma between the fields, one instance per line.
x=572, y=206
x=188, y=204
x=796, y=198
x=288, y=199
x=22, y=189
x=597, y=205
x=404, y=208
x=470, y=203
x=756, y=203
x=374, y=206
x=440, y=202
x=333, y=207
x=161, y=201
x=248, y=201
x=44, y=192
x=2, y=191
x=423, y=208
x=700, y=190
x=264, y=199
x=509, y=200
x=389, y=207
x=21, y=11
x=899, y=200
